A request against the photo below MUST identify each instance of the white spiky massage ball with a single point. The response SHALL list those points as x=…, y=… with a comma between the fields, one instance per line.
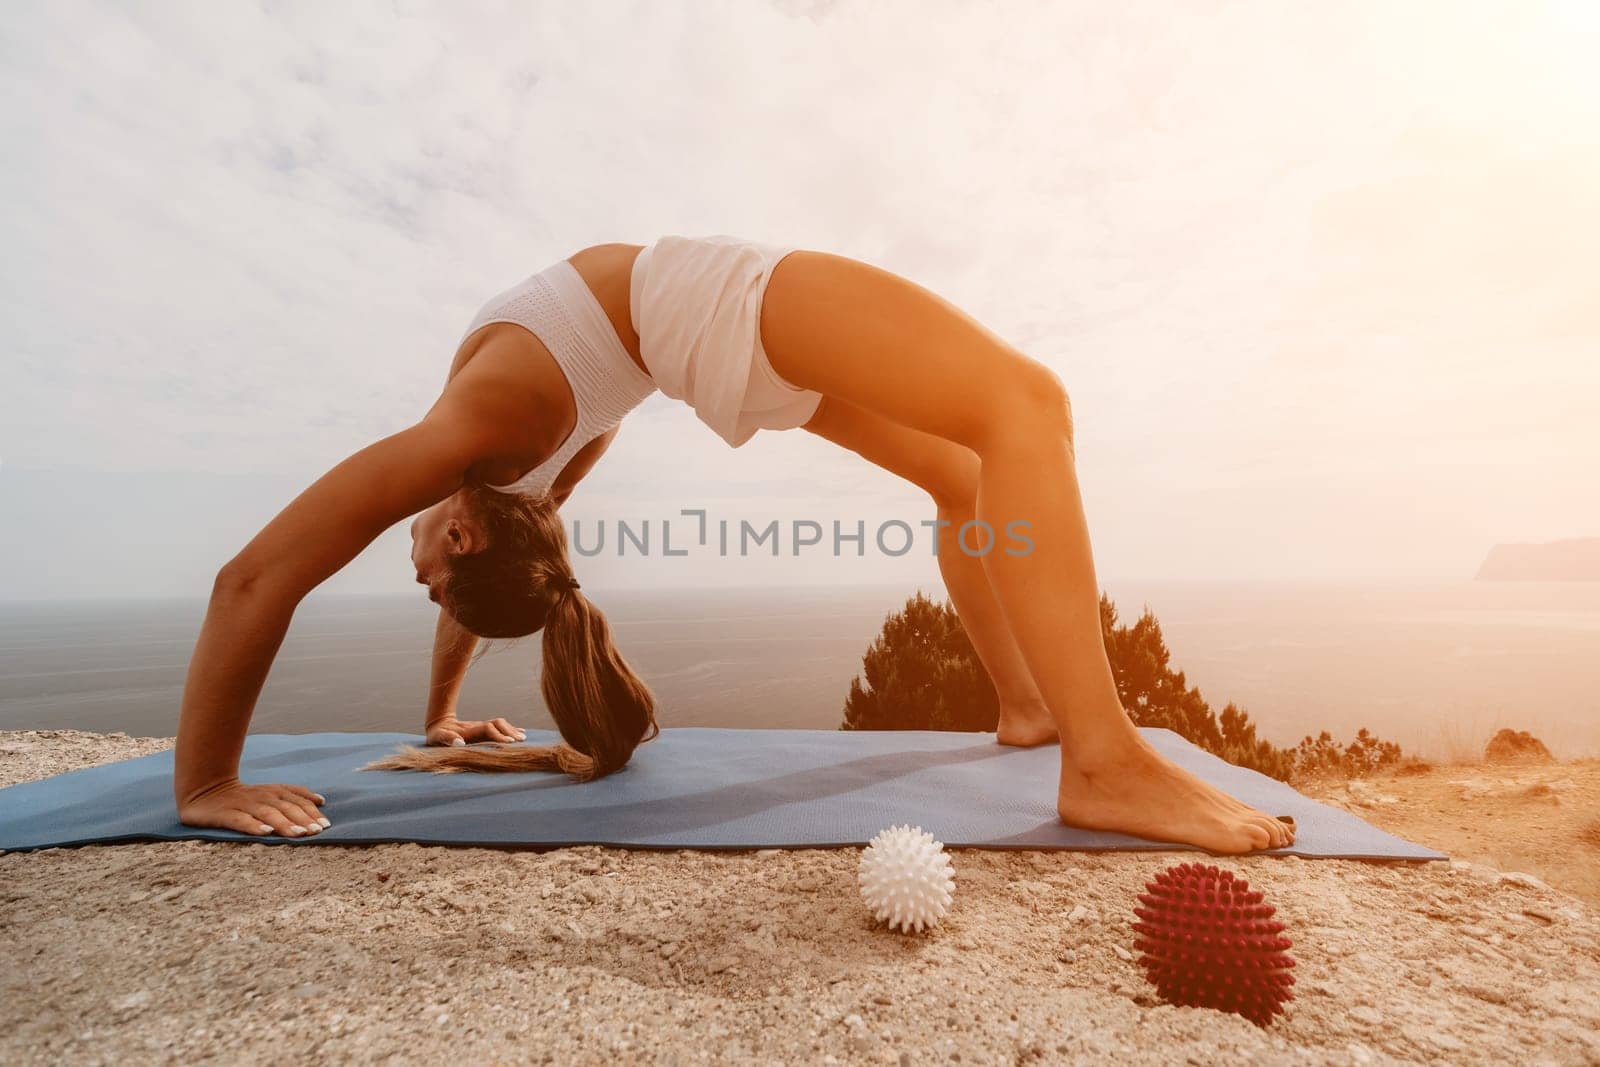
x=906, y=878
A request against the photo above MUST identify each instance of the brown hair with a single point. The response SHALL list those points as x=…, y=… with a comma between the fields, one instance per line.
x=522, y=582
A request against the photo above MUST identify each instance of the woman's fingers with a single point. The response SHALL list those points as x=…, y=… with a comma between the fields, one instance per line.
x=286, y=810
x=466, y=733
x=306, y=794
x=512, y=733
x=243, y=822
x=287, y=817
x=281, y=824
x=303, y=812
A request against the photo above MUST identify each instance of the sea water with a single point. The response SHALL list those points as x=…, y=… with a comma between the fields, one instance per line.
x=1437, y=667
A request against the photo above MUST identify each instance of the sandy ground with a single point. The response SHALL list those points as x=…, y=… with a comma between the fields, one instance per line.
x=1539, y=818
x=252, y=954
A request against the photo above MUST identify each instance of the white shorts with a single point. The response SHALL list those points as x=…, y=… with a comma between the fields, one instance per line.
x=696, y=306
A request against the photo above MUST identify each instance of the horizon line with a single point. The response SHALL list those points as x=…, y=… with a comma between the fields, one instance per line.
x=1303, y=580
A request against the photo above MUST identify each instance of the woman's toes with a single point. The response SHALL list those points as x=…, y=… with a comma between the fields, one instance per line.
x=1258, y=836
x=1269, y=827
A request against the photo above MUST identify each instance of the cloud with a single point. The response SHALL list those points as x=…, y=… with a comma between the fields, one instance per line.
x=1289, y=259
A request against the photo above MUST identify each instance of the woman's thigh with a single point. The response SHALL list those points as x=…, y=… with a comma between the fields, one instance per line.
x=947, y=471
x=849, y=330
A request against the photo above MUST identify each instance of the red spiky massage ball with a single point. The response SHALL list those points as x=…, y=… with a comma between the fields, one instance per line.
x=1208, y=941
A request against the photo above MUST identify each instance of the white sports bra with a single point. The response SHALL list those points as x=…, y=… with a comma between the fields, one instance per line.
x=557, y=306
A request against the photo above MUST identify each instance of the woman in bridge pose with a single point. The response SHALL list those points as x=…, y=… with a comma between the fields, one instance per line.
x=753, y=337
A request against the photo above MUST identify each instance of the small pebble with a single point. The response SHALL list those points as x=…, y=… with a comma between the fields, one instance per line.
x=1363, y=1014
x=1525, y=881
x=132, y=1002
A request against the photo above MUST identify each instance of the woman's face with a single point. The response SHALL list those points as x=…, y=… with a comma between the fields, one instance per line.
x=447, y=529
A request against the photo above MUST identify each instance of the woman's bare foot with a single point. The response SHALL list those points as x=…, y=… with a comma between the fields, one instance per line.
x=1140, y=792
x=1026, y=724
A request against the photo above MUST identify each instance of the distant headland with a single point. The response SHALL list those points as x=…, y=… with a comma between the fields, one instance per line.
x=1576, y=559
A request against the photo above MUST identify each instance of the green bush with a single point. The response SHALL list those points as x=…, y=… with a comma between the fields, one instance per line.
x=1153, y=694
x=921, y=673
x=1323, y=756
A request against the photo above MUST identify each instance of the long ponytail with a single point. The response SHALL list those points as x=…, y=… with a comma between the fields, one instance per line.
x=602, y=709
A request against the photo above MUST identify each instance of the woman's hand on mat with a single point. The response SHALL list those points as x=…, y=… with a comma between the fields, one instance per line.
x=471, y=731
x=258, y=810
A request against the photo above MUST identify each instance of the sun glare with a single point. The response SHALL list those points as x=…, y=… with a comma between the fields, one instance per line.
x=1566, y=35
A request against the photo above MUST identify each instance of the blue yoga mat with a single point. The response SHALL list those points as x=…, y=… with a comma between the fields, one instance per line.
x=688, y=788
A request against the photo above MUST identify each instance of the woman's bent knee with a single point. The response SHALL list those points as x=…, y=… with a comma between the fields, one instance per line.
x=1031, y=407
x=1045, y=400
x=953, y=482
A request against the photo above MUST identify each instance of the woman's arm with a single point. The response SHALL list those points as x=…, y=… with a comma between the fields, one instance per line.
x=452, y=652
x=255, y=595
x=581, y=463
x=453, y=646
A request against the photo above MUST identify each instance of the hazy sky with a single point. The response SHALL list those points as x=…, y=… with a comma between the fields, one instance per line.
x=1321, y=279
